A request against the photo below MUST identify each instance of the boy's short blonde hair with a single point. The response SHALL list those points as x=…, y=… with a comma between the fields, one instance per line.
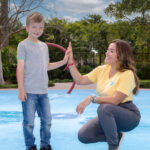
x=35, y=17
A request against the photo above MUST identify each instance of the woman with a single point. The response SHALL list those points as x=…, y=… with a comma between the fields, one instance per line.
x=116, y=83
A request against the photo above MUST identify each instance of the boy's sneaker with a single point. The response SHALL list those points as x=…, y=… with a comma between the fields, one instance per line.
x=32, y=148
x=120, y=136
x=48, y=147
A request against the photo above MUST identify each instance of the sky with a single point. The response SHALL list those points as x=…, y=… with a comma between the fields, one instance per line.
x=74, y=10
x=77, y=9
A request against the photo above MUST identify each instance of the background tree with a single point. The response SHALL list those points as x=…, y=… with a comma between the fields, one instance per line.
x=96, y=29
x=137, y=14
x=90, y=33
x=11, y=11
x=127, y=8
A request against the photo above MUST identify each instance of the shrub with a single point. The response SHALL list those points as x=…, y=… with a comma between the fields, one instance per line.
x=50, y=83
x=144, y=83
x=143, y=71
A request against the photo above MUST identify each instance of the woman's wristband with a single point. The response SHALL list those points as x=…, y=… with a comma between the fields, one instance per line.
x=73, y=63
x=68, y=65
x=94, y=99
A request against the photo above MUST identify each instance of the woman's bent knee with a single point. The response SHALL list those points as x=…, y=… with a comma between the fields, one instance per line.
x=82, y=137
x=104, y=109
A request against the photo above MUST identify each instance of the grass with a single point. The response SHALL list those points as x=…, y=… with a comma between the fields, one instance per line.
x=10, y=85
x=7, y=86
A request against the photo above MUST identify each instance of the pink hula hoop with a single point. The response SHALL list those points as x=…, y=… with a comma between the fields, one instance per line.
x=64, y=50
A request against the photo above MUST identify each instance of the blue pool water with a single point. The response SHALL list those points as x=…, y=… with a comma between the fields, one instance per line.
x=66, y=123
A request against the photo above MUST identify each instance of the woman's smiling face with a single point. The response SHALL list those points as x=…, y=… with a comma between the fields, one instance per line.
x=111, y=55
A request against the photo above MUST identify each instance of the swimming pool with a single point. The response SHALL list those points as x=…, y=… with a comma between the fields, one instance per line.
x=66, y=123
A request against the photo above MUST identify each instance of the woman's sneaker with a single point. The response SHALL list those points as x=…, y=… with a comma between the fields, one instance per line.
x=120, y=136
x=32, y=148
x=48, y=147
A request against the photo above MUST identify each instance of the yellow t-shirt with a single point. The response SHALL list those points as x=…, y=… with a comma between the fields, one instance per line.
x=121, y=81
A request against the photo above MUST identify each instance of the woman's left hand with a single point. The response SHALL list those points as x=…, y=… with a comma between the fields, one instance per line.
x=80, y=108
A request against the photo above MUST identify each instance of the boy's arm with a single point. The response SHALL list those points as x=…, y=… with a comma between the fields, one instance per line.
x=55, y=65
x=20, y=78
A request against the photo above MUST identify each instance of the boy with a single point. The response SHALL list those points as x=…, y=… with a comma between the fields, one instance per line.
x=32, y=66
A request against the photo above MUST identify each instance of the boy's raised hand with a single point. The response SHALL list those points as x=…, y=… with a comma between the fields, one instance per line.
x=70, y=60
x=66, y=57
x=68, y=53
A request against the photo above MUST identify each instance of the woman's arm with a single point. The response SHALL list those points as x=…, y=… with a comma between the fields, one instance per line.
x=116, y=99
x=79, y=79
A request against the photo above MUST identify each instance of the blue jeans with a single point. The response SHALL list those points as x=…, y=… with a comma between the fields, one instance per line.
x=39, y=103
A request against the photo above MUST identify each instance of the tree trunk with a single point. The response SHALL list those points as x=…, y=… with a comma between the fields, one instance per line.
x=4, y=20
x=3, y=32
x=1, y=71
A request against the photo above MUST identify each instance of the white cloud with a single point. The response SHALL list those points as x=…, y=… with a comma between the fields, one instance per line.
x=70, y=19
x=75, y=7
x=81, y=6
